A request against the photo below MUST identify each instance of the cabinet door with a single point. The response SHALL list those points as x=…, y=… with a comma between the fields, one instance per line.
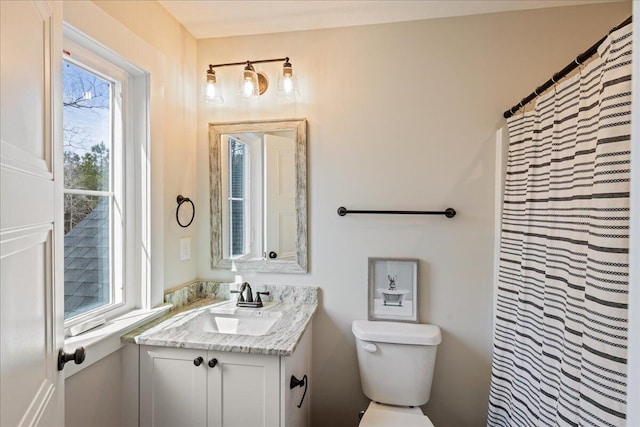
x=244, y=390
x=173, y=390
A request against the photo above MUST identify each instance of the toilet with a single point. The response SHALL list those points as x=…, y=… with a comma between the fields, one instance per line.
x=396, y=362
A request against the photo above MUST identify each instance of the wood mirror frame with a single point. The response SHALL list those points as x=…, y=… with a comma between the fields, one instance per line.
x=216, y=130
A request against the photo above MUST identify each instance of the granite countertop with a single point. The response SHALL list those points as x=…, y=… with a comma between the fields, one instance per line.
x=172, y=330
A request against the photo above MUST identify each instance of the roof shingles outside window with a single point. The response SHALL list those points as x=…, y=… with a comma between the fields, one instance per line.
x=86, y=262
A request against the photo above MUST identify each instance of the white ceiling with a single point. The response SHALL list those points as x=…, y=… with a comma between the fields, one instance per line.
x=223, y=18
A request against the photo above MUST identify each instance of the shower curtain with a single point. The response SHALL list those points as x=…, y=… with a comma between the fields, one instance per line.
x=560, y=337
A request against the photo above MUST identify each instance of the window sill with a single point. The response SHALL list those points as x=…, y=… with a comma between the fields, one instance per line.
x=104, y=340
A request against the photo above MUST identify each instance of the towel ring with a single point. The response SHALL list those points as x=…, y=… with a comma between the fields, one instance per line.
x=182, y=200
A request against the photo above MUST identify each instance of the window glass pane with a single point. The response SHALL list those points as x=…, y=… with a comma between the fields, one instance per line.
x=87, y=122
x=86, y=253
x=86, y=129
x=237, y=227
x=236, y=174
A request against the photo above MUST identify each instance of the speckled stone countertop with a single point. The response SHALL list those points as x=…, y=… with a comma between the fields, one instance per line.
x=296, y=303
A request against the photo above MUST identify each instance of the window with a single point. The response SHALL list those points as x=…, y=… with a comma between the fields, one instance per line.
x=105, y=182
x=92, y=135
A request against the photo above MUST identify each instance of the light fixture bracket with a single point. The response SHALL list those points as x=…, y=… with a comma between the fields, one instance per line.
x=263, y=82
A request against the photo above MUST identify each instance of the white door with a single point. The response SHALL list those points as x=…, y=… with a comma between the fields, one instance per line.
x=280, y=197
x=31, y=281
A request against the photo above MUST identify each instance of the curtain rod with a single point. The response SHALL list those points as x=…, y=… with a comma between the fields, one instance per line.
x=562, y=73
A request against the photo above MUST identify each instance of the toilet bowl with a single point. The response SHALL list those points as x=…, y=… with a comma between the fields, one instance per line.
x=378, y=415
x=396, y=363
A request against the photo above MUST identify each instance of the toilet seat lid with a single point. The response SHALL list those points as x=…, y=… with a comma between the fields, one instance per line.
x=396, y=332
x=375, y=417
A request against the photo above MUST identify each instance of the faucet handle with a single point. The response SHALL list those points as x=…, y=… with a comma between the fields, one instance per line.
x=240, y=297
x=258, y=299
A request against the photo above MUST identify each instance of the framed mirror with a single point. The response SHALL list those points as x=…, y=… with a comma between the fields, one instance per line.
x=258, y=195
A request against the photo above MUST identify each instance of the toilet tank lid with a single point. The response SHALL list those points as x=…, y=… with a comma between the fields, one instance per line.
x=396, y=332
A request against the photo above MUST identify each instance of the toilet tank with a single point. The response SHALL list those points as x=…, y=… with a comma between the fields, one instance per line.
x=396, y=360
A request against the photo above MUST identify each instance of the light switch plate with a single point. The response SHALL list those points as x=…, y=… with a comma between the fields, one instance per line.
x=185, y=248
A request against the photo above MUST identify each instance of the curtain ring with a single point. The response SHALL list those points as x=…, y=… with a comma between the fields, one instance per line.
x=579, y=67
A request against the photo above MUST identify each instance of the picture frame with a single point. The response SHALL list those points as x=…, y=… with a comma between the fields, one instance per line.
x=393, y=289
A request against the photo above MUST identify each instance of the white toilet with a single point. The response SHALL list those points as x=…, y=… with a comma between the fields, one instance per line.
x=396, y=362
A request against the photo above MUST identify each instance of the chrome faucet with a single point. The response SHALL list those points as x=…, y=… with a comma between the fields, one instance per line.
x=248, y=300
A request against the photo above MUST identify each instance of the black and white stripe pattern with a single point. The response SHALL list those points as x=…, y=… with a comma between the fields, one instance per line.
x=560, y=338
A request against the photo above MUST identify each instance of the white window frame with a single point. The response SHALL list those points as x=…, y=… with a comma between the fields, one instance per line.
x=129, y=177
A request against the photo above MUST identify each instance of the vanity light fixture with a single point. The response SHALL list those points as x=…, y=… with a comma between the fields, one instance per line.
x=213, y=88
x=249, y=86
x=287, y=81
x=252, y=84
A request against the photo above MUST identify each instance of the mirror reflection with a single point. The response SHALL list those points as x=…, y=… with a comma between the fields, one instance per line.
x=258, y=197
x=258, y=185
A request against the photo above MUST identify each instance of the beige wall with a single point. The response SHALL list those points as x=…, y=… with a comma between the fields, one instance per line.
x=93, y=397
x=401, y=116
x=156, y=26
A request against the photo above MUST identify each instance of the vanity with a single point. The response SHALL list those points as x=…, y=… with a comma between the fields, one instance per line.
x=211, y=363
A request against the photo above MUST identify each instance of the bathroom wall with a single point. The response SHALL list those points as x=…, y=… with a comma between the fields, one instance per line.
x=154, y=40
x=401, y=116
x=151, y=22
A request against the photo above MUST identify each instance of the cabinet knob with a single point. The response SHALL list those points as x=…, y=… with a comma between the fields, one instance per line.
x=198, y=361
x=213, y=362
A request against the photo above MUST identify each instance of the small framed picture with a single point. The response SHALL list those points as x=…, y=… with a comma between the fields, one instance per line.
x=393, y=289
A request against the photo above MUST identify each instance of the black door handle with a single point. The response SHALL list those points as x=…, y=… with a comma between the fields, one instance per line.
x=273, y=255
x=77, y=356
x=198, y=361
x=213, y=362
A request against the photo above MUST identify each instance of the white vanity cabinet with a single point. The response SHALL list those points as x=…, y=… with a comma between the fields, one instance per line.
x=188, y=387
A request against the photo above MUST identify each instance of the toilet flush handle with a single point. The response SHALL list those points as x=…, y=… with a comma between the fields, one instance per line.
x=370, y=347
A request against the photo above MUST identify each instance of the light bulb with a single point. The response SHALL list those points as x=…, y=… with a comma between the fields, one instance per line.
x=287, y=85
x=210, y=91
x=247, y=89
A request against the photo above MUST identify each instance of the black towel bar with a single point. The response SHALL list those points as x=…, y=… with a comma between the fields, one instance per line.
x=449, y=212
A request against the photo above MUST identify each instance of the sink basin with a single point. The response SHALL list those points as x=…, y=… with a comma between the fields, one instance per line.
x=255, y=324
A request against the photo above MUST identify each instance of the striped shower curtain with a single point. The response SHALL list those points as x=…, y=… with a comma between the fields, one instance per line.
x=560, y=337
